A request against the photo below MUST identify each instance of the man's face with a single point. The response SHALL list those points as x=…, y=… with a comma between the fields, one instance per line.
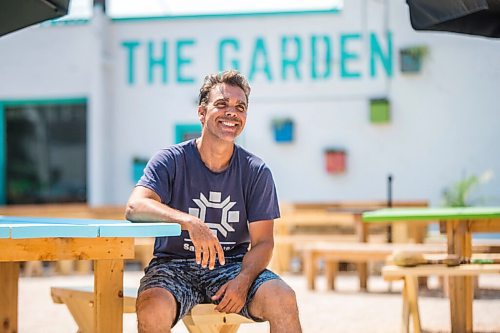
x=226, y=112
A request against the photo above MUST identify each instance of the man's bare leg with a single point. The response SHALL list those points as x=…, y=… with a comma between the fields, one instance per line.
x=156, y=309
x=275, y=302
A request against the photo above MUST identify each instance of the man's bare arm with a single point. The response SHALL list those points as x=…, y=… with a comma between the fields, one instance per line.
x=144, y=205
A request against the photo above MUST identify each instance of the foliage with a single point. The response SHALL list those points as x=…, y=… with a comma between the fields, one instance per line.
x=459, y=194
x=280, y=122
x=416, y=51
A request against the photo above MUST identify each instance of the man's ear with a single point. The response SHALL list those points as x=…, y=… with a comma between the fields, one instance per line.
x=201, y=114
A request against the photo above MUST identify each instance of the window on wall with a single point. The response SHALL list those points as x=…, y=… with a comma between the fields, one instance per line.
x=46, y=152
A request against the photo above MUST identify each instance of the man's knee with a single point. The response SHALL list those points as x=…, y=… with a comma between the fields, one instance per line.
x=156, y=310
x=274, y=297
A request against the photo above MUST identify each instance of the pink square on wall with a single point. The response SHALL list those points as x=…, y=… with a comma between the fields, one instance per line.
x=335, y=161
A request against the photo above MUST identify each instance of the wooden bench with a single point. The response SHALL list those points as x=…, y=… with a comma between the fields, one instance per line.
x=360, y=253
x=321, y=221
x=410, y=288
x=202, y=319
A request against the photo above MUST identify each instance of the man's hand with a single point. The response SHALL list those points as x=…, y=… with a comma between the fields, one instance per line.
x=206, y=244
x=233, y=294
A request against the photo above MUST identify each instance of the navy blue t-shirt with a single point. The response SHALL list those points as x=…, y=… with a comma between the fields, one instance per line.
x=226, y=201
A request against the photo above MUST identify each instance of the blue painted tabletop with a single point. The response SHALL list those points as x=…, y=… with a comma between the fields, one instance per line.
x=18, y=227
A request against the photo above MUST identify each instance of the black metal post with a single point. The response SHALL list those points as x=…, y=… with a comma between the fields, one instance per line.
x=389, y=205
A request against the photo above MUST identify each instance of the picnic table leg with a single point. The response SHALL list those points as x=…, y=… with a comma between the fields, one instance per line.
x=405, y=321
x=282, y=252
x=108, y=296
x=310, y=268
x=411, y=287
x=460, y=288
x=331, y=270
x=9, y=279
x=362, y=233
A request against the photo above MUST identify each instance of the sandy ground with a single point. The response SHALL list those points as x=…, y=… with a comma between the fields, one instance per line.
x=345, y=310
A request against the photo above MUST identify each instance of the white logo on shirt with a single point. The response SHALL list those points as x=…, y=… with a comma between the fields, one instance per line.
x=227, y=216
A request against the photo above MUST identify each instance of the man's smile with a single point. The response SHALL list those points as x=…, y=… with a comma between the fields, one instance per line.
x=227, y=123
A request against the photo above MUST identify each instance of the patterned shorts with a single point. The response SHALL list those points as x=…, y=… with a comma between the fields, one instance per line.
x=191, y=285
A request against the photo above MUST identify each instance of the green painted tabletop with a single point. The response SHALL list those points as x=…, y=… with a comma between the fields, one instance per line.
x=405, y=214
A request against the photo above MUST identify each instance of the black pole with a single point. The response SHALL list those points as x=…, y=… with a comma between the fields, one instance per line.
x=389, y=205
x=389, y=191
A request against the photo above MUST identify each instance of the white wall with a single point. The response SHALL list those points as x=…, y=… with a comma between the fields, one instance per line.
x=45, y=63
x=444, y=120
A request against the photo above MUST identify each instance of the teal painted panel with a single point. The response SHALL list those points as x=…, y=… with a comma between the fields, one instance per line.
x=184, y=132
x=228, y=15
x=53, y=230
x=54, y=220
x=138, y=166
x=402, y=214
x=140, y=230
x=32, y=227
x=3, y=165
x=55, y=101
x=4, y=231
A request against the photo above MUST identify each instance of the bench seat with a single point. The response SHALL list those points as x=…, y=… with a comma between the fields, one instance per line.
x=410, y=288
x=361, y=253
x=203, y=318
x=355, y=252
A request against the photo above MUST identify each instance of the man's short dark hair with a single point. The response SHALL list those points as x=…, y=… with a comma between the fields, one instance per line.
x=230, y=77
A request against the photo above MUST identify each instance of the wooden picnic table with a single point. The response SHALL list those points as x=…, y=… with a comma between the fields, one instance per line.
x=460, y=224
x=107, y=242
x=333, y=217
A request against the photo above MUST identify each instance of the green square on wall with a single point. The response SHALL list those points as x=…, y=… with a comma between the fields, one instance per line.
x=379, y=111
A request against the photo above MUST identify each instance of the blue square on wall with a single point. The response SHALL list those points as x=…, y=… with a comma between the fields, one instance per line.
x=283, y=130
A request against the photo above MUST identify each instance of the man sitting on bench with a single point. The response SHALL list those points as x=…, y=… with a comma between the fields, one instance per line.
x=225, y=200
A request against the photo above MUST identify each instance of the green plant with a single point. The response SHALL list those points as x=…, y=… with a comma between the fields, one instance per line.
x=279, y=122
x=459, y=194
x=416, y=51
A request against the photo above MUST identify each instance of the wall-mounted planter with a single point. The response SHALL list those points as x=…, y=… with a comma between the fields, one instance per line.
x=380, y=111
x=283, y=130
x=335, y=160
x=410, y=58
x=138, y=165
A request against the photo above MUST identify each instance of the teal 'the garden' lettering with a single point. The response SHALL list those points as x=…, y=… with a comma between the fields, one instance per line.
x=321, y=60
x=260, y=61
x=376, y=52
x=347, y=56
x=183, y=61
x=157, y=62
x=233, y=63
x=288, y=61
x=130, y=46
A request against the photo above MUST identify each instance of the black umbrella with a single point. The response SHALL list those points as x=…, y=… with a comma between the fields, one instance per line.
x=17, y=14
x=473, y=17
